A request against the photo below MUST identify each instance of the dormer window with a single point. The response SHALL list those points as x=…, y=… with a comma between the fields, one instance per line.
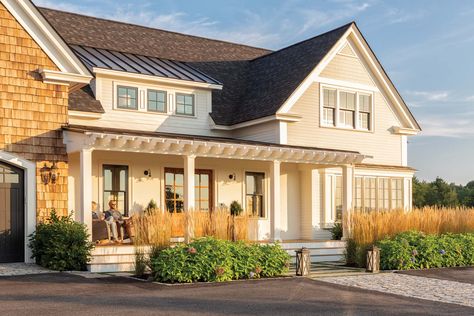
x=127, y=98
x=185, y=104
x=156, y=101
x=346, y=109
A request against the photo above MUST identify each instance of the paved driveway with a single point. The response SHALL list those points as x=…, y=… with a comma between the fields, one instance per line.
x=462, y=274
x=65, y=294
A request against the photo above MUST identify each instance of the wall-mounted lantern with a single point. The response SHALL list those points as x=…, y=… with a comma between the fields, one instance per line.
x=49, y=174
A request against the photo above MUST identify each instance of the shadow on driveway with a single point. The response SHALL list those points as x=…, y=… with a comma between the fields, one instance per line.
x=461, y=274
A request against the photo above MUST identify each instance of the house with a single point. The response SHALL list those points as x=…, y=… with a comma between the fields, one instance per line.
x=93, y=110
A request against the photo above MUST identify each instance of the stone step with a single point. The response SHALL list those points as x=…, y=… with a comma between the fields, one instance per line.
x=112, y=259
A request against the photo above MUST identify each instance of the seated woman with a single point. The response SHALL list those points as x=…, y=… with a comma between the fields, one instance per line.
x=114, y=219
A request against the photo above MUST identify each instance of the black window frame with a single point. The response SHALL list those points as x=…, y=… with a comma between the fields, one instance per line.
x=116, y=185
x=254, y=196
x=165, y=103
x=184, y=104
x=128, y=107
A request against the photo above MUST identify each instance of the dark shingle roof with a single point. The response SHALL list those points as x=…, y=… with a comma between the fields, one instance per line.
x=83, y=100
x=256, y=82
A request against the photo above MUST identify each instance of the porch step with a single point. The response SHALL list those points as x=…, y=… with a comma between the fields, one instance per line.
x=329, y=269
x=320, y=251
x=111, y=267
x=113, y=258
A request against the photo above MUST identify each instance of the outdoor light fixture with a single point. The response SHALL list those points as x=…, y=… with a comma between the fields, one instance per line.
x=303, y=262
x=49, y=174
x=373, y=259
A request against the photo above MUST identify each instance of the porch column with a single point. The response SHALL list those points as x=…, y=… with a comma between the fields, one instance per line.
x=86, y=189
x=275, y=201
x=347, y=180
x=189, y=197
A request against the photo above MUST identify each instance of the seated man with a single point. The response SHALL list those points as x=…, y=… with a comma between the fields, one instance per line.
x=114, y=218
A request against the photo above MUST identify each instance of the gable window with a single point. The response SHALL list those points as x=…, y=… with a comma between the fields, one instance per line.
x=254, y=184
x=185, y=104
x=346, y=109
x=347, y=105
x=127, y=98
x=156, y=101
x=364, y=111
x=329, y=106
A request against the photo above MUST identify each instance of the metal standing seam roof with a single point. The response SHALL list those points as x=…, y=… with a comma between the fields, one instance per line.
x=140, y=64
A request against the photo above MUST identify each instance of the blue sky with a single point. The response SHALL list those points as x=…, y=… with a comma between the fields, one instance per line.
x=426, y=48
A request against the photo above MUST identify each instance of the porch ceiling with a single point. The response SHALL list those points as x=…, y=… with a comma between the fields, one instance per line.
x=77, y=139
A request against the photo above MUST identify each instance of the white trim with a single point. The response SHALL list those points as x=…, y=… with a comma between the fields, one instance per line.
x=346, y=84
x=283, y=132
x=45, y=36
x=404, y=150
x=84, y=115
x=284, y=117
x=404, y=131
x=63, y=78
x=155, y=79
x=374, y=65
x=30, y=195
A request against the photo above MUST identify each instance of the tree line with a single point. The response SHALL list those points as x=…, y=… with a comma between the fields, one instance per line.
x=441, y=193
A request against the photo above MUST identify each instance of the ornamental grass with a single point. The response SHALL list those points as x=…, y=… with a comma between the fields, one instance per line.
x=366, y=228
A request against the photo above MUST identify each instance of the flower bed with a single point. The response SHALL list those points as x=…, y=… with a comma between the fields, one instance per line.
x=415, y=250
x=210, y=259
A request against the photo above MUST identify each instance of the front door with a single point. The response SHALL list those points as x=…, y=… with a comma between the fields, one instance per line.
x=12, y=214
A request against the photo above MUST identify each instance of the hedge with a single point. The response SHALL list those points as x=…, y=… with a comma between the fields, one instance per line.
x=415, y=250
x=210, y=259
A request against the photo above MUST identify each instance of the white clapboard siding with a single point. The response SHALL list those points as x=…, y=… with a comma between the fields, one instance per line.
x=265, y=132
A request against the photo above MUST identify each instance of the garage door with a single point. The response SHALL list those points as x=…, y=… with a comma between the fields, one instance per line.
x=12, y=226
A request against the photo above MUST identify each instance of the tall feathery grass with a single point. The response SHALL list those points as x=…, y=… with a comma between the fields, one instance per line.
x=157, y=227
x=366, y=228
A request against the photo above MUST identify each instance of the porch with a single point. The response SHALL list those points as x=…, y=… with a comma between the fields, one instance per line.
x=283, y=187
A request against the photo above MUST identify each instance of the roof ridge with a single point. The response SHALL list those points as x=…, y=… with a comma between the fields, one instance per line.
x=304, y=41
x=155, y=29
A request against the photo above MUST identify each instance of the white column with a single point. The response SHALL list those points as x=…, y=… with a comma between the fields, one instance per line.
x=189, y=182
x=347, y=180
x=189, y=197
x=86, y=189
x=275, y=201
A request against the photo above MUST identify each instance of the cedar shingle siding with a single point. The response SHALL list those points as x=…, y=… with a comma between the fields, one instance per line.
x=32, y=112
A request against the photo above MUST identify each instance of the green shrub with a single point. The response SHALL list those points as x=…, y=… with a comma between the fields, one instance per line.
x=415, y=250
x=61, y=244
x=235, y=208
x=140, y=262
x=209, y=259
x=336, y=231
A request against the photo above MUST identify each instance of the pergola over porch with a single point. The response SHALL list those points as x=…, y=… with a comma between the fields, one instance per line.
x=84, y=140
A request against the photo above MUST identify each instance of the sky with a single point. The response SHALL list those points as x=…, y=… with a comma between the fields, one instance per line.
x=426, y=47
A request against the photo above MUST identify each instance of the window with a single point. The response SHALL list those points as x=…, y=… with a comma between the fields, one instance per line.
x=156, y=101
x=185, y=104
x=346, y=109
x=127, y=98
x=174, y=190
x=384, y=194
x=116, y=187
x=358, y=193
x=364, y=111
x=370, y=200
x=254, y=184
x=203, y=189
x=329, y=107
x=397, y=193
x=347, y=105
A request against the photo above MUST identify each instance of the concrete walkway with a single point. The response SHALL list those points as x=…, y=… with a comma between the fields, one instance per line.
x=11, y=269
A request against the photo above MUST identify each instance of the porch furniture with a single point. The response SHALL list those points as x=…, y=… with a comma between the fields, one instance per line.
x=100, y=230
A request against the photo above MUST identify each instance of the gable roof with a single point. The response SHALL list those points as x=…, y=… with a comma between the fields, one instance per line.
x=256, y=82
x=84, y=100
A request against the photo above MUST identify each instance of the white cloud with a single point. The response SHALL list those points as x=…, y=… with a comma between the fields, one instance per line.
x=395, y=16
x=421, y=98
x=470, y=98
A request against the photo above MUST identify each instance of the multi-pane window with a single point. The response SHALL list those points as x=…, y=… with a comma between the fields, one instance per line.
x=347, y=107
x=202, y=189
x=384, y=194
x=397, y=193
x=185, y=104
x=116, y=187
x=127, y=98
x=156, y=101
x=364, y=111
x=358, y=193
x=254, y=187
x=370, y=199
x=338, y=199
x=329, y=107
